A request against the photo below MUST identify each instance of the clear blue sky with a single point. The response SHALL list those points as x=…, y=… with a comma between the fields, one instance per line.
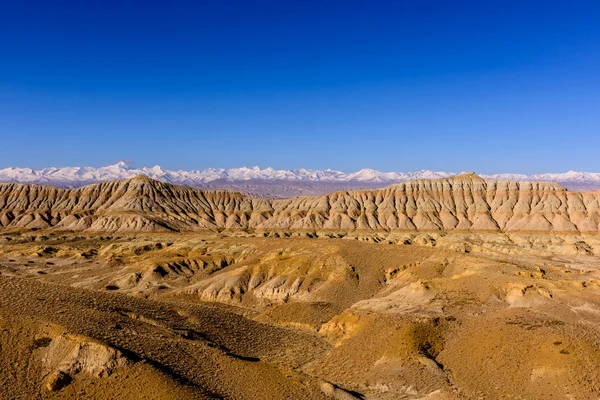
x=490, y=86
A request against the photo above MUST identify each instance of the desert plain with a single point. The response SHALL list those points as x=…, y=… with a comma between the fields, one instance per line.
x=458, y=288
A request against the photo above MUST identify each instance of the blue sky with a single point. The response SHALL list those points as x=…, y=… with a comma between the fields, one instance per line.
x=489, y=86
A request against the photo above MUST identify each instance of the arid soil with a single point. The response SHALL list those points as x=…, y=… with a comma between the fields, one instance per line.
x=234, y=315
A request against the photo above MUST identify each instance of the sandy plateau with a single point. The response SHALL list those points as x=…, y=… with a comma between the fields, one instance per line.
x=453, y=289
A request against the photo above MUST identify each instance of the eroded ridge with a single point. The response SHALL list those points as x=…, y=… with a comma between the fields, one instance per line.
x=464, y=202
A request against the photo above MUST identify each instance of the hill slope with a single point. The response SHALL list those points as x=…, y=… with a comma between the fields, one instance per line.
x=464, y=202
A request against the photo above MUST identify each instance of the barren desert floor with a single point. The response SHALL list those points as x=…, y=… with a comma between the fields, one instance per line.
x=285, y=315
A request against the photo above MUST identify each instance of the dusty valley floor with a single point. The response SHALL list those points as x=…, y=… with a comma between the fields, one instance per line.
x=298, y=316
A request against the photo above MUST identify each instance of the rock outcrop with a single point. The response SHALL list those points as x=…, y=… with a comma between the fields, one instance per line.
x=465, y=202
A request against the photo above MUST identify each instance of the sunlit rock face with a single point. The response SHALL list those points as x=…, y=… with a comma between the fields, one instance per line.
x=463, y=202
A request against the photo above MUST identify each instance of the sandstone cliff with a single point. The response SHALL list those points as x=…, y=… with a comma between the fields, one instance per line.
x=464, y=202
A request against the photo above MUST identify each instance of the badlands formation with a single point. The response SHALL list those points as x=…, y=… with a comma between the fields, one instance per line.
x=458, y=288
x=463, y=203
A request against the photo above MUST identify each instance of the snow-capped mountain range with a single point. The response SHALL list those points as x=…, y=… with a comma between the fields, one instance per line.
x=78, y=176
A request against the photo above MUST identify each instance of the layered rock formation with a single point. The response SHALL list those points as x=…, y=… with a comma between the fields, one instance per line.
x=464, y=202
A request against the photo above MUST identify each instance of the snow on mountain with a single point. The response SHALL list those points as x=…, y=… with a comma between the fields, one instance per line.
x=565, y=177
x=507, y=177
x=570, y=176
x=77, y=176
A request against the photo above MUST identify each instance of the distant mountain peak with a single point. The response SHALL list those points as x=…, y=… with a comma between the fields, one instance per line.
x=123, y=164
x=248, y=176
